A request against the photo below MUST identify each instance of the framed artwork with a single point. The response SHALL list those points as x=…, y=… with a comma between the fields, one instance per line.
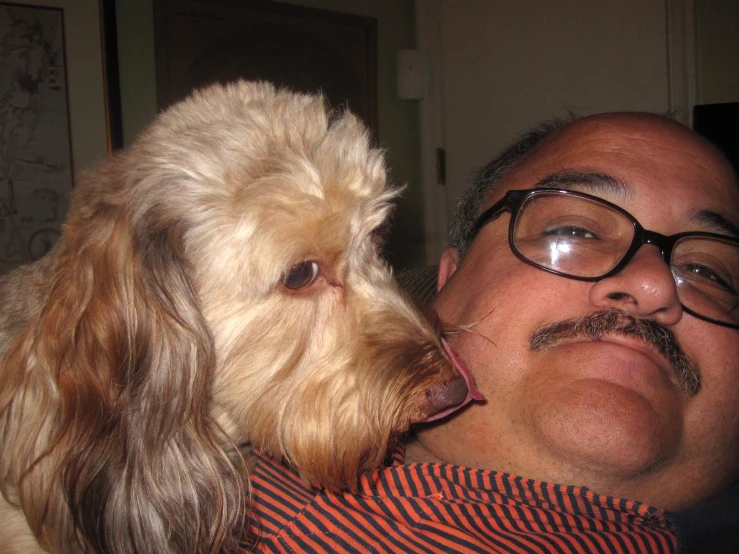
x=306, y=49
x=55, y=115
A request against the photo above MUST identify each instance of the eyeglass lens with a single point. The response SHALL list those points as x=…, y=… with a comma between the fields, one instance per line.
x=579, y=237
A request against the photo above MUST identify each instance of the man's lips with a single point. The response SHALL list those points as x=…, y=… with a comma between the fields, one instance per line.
x=623, y=360
x=632, y=344
x=648, y=337
x=460, y=391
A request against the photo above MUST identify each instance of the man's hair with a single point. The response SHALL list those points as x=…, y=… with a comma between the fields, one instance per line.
x=475, y=194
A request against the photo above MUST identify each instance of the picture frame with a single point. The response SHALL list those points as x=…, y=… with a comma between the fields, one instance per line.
x=58, y=81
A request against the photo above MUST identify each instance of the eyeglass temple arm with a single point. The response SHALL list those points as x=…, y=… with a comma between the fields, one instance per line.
x=489, y=215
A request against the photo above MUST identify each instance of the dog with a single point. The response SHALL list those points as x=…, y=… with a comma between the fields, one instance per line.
x=217, y=288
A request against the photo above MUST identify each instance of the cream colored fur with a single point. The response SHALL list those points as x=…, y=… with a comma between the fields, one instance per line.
x=158, y=342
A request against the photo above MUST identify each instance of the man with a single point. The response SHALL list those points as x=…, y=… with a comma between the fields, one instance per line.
x=597, y=310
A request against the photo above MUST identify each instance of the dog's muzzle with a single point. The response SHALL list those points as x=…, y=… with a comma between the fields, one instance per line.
x=452, y=395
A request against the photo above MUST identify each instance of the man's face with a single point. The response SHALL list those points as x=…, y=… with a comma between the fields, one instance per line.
x=608, y=414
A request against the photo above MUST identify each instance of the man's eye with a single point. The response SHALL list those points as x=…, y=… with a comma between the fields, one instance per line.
x=705, y=273
x=300, y=275
x=569, y=231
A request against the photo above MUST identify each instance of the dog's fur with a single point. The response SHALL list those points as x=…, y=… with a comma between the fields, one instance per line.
x=158, y=338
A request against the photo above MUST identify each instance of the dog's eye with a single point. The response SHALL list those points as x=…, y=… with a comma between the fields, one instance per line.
x=300, y=275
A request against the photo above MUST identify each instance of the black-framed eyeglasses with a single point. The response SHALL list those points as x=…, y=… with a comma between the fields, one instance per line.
x=583, y=237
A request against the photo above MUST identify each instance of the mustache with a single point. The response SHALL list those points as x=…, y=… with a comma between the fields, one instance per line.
x=614, y=321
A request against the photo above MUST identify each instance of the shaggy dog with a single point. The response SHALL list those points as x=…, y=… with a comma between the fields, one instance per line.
x=217, y=288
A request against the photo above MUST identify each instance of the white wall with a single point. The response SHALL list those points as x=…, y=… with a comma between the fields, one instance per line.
x=135, y=30
x=508, y=65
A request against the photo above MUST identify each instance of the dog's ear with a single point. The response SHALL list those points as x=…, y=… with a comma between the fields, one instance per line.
x=110, y=398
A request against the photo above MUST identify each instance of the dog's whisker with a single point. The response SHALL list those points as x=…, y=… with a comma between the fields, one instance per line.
x=457, y=328
x=463, y=329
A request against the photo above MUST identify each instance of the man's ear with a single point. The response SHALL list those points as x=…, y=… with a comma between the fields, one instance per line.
x=447, y=266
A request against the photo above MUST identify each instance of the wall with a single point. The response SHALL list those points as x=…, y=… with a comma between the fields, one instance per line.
x=398, y=120
x=135, y=24
x=509, y=65
x=717, y=34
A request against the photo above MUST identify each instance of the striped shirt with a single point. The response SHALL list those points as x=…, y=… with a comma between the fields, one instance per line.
x=441, y=508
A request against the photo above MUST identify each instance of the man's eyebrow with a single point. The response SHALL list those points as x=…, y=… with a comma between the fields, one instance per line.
x=603, y=183
x=587, y=182
x=716, y=222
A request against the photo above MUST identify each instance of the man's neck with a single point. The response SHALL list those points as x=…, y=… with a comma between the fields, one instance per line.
x=415, y=452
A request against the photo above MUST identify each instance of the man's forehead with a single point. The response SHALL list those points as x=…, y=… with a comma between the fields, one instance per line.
x=627, y=134
x=634, y=151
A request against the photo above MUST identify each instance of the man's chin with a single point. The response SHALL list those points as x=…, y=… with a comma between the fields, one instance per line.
x=601, y=426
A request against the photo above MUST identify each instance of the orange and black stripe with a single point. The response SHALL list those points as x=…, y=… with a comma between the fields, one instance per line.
x=440, y=508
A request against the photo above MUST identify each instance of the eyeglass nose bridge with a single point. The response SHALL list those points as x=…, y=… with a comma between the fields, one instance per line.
x=642, y=236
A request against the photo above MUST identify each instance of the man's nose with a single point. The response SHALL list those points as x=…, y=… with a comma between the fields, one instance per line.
x=645, y=288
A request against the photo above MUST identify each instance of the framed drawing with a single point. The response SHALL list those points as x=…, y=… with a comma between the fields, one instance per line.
x=306, y=49
x=55, y=116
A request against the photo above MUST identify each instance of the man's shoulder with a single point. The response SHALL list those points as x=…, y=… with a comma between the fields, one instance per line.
x=435, y=507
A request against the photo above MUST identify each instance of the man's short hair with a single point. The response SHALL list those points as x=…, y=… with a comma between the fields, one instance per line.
x=475, y=194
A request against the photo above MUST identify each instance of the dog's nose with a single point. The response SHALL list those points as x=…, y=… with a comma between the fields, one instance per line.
x=452, y=395
x=448, y=394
